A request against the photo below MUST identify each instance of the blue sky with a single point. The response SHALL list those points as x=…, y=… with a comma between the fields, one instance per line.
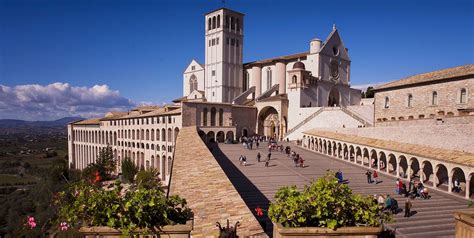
x=53, y=53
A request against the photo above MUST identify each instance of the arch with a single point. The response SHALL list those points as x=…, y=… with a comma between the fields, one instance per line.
x=170, y=136
x=204, y=116
x=269, y=78
x=163, y=134
x=163, y=167
x=193, y=83
x=441, y=177
x=427, y=172
x=209, y=24
x=434, y=98
x=244, y=132
x=202, y=134
x=218, y=21
x=152, y=134
x=334, y=98
x=211, y=137
x=345, y=152
x=339, y=150
x=229, y=136
x=294, y=79
x=382, y=162
x=147, y=134
x=214, y=21
x=358, y=157
x=410, y=100
x=463, y=95
x=176, y=131
x=414, y=168
x=220, y=137
x=470, y=185
x=268, y=122
x=334, y=149
x=213, y=116
x=325, y=148
x=402, y=166
x=329, y=148
x=392, y=165
x=373, y=159
x=232, y=23
x=387, y=102
x=351, y=153
x=152, y=161
x=365, y=157
x=458, y=174
x=221, y=117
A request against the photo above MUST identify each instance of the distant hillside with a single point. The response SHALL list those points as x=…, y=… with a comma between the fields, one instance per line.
x=11, y=123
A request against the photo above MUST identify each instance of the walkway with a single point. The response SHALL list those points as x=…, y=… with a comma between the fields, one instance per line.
x=257, y=186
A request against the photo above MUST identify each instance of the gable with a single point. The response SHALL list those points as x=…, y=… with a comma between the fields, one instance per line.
x=195, y=64
x=334, y=41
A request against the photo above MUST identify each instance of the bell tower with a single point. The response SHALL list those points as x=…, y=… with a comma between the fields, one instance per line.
x=223, y=59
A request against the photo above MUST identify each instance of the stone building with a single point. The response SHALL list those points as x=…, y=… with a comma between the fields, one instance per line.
x=443, y=96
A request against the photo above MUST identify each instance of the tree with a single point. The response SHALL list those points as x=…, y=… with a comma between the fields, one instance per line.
x=370, y=92
x=129, y=169
x=105, y=162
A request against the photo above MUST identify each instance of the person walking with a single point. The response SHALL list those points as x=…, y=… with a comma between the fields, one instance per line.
x=375, y=176
x=407, y=207
x=369, y=176
x=245, y=160
x=267, y=161
x=258, y=157
x=257, y=144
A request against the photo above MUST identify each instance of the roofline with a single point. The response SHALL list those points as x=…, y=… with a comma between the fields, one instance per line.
x=280, y=58
x=440, y=80
x=224, y=8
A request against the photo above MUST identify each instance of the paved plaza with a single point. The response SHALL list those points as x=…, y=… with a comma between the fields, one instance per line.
x=257, y=185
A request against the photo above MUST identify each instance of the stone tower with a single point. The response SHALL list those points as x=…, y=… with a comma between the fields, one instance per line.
x=223, y=59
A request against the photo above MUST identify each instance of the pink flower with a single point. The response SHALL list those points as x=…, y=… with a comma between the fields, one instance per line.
x=63, y=226
x=31, y=222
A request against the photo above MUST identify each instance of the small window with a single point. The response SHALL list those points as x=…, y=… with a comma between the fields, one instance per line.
x=434, y=98
x=463, y=96
x=387, y=102
x=193, y=67
x=294, y=79
x=213, y=73
x=213, y=41
x=217, y=41
x=237, y=43
x=209, y=42
x=232, y=42
x=410, y=100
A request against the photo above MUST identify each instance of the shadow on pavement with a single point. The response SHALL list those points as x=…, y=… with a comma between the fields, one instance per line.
x=252, y=197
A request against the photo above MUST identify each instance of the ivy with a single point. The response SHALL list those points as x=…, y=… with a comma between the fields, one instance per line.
x=325, y=203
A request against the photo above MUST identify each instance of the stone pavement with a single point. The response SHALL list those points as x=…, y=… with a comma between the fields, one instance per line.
x=257, y=185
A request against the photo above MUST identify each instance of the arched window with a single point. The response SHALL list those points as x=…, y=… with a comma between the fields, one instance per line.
x=221, y=117
x=237, y=25
x=214, y=23
x=232, y=23
x=193, y=84
x=434, y=98
x=463, y=96
x=294, y=79
x=213, y=116
x=204, y=117
x=218, y=21
x=269, y=78
x=410, y=100
x=387, y=102
x=163, y=134
x=209, y=24
x=227, y=22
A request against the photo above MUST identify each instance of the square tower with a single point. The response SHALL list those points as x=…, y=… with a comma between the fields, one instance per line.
x=223, y=59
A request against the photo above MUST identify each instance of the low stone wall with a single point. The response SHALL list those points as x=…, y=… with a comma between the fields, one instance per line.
x=464, y=221
x=198, y=178
x=354, y=232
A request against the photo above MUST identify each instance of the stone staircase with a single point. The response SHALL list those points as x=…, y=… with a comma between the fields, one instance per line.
x=257, y=185
x=306, y=120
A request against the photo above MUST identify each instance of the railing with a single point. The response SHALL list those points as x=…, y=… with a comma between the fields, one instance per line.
x=269, y=92
x=304, y=121
x=243, y=96
x=356, y=116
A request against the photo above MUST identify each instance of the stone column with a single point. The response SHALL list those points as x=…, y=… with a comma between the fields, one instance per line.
x=281, y=77
x=398, y=167
x=408, y=172
x=468, y=186
x=450, y=183
x=256, y=80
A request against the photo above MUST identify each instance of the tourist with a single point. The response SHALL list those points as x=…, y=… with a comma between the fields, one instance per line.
x=339, y=176
x=267, y=161
x=369, y=176
x=375, y=176
x=241, y=159
x=457, y=186
x=407, y=207
x=381, y=200
x=245, y=160
x=388, y=202
x=250, y=145
x=400, y=186
x=296, y=159
x=258, y=157
x=257, y=144
x=397, y=190
x=301, y=162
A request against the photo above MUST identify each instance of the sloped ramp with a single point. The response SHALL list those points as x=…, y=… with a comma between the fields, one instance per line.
x=197, y=176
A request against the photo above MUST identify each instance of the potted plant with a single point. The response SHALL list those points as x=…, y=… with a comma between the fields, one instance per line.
x=113, y=211
x=325, y=207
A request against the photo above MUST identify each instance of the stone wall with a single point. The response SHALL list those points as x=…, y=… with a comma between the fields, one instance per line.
x=447, y=103
x=453, y=137
x=198, y=178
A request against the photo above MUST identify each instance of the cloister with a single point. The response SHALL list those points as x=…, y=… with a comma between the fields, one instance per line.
x=436, y=168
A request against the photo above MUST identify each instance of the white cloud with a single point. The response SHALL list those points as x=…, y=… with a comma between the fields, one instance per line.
x=56, y=100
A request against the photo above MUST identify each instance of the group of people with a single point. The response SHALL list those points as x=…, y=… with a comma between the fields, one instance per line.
x=372, y=176
x=415, y=189
x=297, y=159
x=391, y=204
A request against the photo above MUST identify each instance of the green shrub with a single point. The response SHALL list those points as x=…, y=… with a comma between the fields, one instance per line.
x=325, y=203
x=148, y=179
x=129, y=169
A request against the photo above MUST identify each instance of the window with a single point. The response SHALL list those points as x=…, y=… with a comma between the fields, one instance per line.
x=246, y=81
x=218, y=21
x=387, y=102
x=434, y=98
x=193, y=84
x=213, y=73
x=238, y=25
x=193, y=67
x=237, y=43
x=209, y=24
x=232, y=42
x=214, y=23
x=213, y=41
x=410, y=100
x=217, y=40
x=232, y=26
x=294, y=79
x=209, y=42
x=463, y=96
x=269, y=78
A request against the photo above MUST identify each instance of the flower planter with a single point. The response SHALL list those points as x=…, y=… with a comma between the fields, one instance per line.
x=354, y=231
x=464, y=221
x=171, y=231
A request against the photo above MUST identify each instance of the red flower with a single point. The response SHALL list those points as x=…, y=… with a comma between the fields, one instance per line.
x=259, y=211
